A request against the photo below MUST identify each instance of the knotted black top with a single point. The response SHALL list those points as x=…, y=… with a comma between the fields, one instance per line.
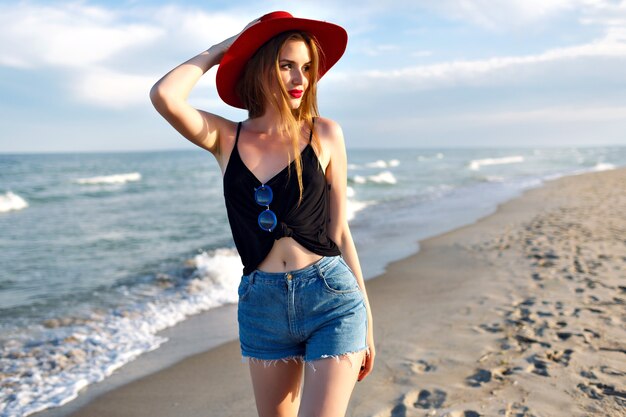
x=307, y=224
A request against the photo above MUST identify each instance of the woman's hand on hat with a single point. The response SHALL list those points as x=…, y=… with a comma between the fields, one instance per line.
x=223, y=46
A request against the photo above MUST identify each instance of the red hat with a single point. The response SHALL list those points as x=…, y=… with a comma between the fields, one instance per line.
x=331, y=38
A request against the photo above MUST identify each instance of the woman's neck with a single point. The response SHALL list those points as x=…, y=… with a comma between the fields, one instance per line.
x=267, y=124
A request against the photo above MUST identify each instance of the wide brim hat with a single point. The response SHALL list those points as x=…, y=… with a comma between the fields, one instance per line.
x=332, y=40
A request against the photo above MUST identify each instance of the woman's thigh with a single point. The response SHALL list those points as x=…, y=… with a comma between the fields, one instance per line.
x=328, y=388
x=277, y=387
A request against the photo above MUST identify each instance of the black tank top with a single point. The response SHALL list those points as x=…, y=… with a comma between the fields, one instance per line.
x=307, y=224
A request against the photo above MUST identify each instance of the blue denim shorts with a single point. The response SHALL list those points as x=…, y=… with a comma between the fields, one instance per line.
x=308, y=314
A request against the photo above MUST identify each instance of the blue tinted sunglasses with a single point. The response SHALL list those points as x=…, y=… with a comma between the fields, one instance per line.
x=263, y=196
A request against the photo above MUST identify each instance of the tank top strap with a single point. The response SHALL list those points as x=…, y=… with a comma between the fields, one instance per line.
x=311, y=134
x=237, y=137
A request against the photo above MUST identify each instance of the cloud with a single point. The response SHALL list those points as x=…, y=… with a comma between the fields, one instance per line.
x=113, y=55
x=438, y=75
x=380, y=49
x=183, y=25
x=510, y=14
x=105, y=54
x=68, y=35
x=112, y=89
x=561, y=114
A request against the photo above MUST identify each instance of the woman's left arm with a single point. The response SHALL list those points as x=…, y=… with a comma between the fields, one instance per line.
x=331, y=136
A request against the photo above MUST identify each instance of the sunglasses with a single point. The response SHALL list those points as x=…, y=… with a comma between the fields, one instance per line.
x=263, y=196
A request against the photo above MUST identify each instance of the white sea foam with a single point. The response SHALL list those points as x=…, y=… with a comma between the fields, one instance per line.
x=438, y=155
x=603, y=166
x=111, y=179
x=73, y=353
x=383, y=164
x=377, y=164
x=475, y=164
x=359, y=179
x=10, y=201
x=354, y=206
x=384, y=177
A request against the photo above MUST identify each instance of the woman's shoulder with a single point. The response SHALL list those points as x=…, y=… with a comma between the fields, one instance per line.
x=223, y=124
x=328, y=129
x=331, y=139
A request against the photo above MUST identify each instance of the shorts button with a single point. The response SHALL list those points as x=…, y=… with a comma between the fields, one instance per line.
x=289, y=276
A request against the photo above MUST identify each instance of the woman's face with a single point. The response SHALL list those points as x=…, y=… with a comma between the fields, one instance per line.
x=294, y=62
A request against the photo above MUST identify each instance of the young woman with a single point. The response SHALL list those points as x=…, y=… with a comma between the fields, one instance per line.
x=302, y=298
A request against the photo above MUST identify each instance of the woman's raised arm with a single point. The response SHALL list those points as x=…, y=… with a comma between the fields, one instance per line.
x=169, y=97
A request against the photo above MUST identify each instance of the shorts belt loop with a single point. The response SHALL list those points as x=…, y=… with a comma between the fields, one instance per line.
x=252, y=277
x=319, y=269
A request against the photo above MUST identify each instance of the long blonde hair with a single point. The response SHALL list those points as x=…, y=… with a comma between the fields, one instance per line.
x=254, y=90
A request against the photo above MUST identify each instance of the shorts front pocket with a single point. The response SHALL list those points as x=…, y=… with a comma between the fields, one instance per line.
x=339, y=279
x=244, y=288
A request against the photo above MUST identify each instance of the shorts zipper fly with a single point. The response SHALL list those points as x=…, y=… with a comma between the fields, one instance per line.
x=291, y=305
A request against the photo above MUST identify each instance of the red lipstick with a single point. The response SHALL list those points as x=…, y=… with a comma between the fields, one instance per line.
x=296, y=93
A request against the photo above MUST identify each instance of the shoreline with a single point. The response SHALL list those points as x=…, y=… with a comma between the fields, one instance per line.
x=231, y=397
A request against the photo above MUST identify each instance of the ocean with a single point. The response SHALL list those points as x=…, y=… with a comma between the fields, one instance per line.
x=102, y=251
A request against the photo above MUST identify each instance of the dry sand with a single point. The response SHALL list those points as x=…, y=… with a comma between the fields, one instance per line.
x=520, y=314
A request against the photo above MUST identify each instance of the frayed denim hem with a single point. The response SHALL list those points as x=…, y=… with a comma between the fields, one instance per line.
x=348, y=355
x=300, y=359
x=269, y=362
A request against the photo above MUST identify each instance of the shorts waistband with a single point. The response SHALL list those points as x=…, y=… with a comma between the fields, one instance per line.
x=319, y=266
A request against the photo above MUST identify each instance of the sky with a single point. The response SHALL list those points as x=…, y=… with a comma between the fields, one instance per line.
x=75, y=76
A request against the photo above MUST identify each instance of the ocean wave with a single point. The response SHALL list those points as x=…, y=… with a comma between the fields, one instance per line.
x=48, y=370
x=438, y=155
x=354, y=206
x=475, y=164
x=603, y=166
x=111, y=179
x=10, y=201
x=380, y=163
x=383, y=164
x=385, y=177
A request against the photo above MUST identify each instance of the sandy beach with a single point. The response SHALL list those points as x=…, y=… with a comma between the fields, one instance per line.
x=520, y=314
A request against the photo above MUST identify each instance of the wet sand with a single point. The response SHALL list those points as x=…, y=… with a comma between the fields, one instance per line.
x=520, y=314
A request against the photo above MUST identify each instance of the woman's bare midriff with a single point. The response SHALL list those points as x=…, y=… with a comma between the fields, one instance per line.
x=288, y=255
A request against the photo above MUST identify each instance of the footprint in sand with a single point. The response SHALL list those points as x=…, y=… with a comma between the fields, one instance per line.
x=409, y=402
x=591, y=391
x=428, y=400
x=480, y=377
x=491, y=327
x=611, y=371
x=501, y=372
x=464, y=413
x=538, y=366
x=560, y=356
x=421, y=366
x=589, y=374
x=609, y=389
x=541, y=362
x=516, y=410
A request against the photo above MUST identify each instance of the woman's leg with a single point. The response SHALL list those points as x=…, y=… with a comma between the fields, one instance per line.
x=328, y=388
x=277, y=387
